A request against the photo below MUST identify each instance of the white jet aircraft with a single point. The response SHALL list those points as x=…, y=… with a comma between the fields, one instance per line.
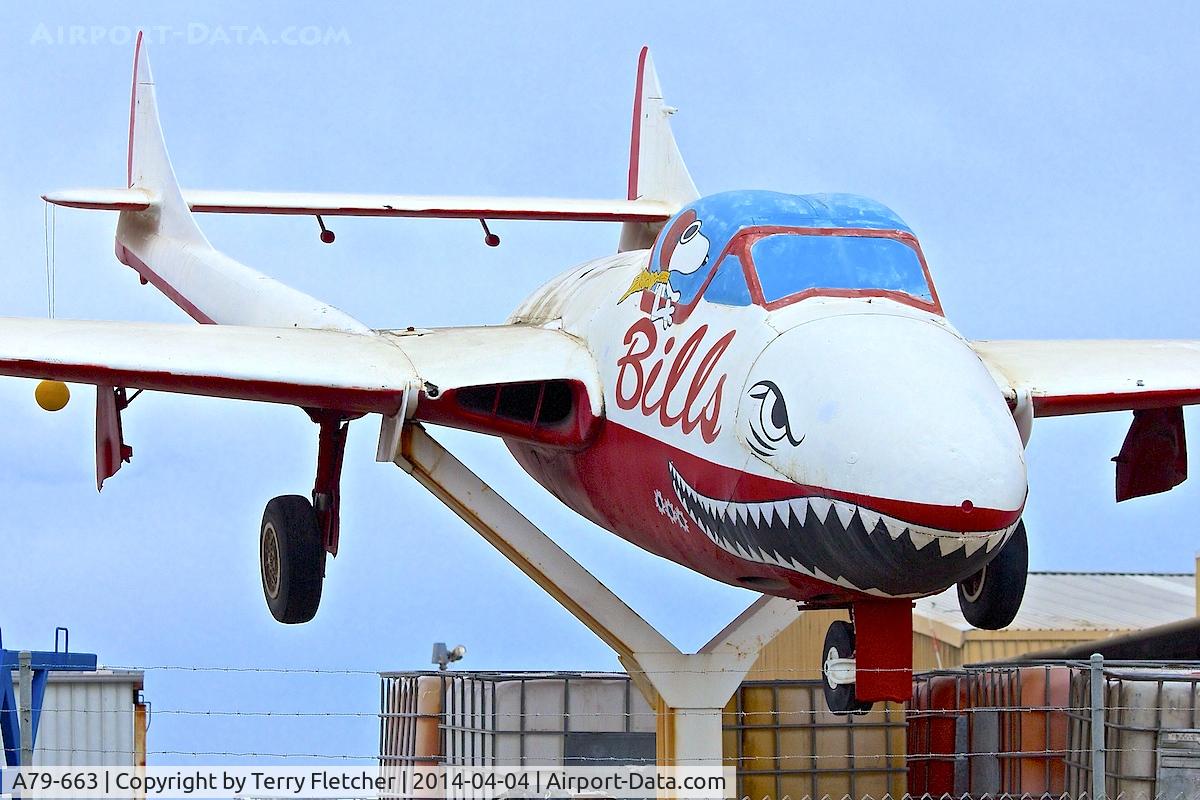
x=759, y=386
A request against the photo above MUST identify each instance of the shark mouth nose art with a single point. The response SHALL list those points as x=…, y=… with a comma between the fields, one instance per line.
x=840, y=542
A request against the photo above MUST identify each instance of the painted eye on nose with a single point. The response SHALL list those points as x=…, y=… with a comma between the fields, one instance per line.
x=769, y=424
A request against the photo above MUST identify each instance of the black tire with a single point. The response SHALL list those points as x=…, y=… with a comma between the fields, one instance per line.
x=291, y=552
x=991, y=598
x=839, y=643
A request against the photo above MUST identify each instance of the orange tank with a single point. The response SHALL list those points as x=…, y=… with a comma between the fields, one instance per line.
x=936, y=715
x=1039, y=732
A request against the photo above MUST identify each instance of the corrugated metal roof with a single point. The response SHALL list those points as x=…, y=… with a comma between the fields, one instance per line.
x=1082, y=601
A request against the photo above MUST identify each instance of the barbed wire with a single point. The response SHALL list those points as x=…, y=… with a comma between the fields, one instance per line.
x=997, y=680
x=921, y=713
x=1046, y=753
x=244, y=669
x=814, y=671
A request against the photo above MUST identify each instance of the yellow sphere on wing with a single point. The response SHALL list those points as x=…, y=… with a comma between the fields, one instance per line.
x=52, y=395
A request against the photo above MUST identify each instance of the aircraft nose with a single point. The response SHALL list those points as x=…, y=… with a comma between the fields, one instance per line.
x=894, y=423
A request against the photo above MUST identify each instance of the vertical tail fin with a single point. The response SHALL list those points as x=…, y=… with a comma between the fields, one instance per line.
x=147, y=164
x=656, y=168
x=166, y=247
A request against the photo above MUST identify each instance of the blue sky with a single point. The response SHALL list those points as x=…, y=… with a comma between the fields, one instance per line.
x=1045, y=154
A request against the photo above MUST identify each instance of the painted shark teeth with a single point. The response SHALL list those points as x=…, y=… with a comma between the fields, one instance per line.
x=918, y=539
x=820, y=507
x=845, y=512
x=896, y=529
x=949, y=544
x=812, y=535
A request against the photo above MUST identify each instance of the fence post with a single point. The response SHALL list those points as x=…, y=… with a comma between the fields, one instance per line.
x=25, y=689
x=1098, y=760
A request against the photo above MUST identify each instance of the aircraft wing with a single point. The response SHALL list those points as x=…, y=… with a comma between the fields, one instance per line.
x=509, y=375
x=312, y=368
x=374, y=205
x=1087, y=376
x=1153, y=379
x=304, y=367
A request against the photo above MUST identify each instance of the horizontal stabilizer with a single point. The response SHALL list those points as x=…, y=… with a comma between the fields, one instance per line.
x=331, y=204
x=103, y=199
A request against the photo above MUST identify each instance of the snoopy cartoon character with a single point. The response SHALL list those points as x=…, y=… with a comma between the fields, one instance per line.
x=684, y=250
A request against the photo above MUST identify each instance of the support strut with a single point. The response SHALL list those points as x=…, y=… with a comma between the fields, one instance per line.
x=327, y=489
x=688, y=691
x=883, y=632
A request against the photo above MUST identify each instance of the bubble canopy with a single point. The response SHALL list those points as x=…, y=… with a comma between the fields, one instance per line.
x=773, y=249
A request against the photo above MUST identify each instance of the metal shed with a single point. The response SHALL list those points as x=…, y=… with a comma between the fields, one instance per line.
x=92, y=719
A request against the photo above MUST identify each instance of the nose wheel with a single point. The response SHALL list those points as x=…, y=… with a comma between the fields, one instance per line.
x=291, y=558
x=839, y=671
x=991, y=598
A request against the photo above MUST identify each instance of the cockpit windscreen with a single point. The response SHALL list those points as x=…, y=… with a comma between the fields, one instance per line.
x=791, y=263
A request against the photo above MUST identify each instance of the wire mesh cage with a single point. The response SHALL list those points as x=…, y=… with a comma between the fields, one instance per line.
x=988, y=729
x=513, y=719
x=1151, y=730
x=786, y=743
x=1025, y=729
x=778, y=734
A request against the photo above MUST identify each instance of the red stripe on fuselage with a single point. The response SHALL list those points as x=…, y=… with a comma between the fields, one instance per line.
x=725, y=483
x=126, y=256
x=613, y=482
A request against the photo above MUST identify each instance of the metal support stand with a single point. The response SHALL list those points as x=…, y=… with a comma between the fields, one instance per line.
x=688, y=691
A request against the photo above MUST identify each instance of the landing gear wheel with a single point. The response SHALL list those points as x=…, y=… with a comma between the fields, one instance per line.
x=991, y=598
x=839, y=644
x=291, y=553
